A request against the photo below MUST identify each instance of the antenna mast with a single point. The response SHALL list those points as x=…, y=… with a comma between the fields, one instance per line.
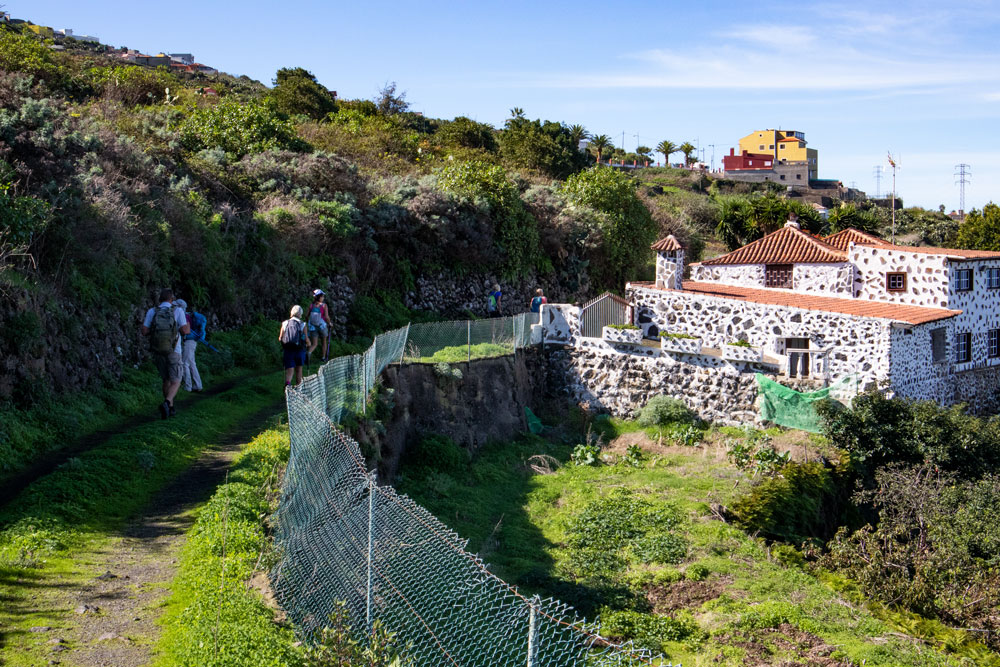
x=892, y=163
x=963, y=174
x=878, y=181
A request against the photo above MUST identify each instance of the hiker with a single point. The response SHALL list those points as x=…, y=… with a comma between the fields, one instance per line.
x=537, y=301
x=165, y=325
x=293, y=341
x=319, y=323
x=493, y=301
x=191, y=378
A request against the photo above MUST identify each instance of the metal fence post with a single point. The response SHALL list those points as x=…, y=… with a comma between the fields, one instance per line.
x=532, y=633
x=468, y=338
x=371, y=541
x=406, y=339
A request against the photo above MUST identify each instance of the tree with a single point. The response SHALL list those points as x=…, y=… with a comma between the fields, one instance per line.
x=545, y=146
x=850, y=216
x=578, y=133
x=628, y=228
x=297, y=92
x=643, y=152
x=389, y=103
x=517, y=112
x=687, y=148
x=599, y=144
x=468, y=133
x=981, y=229
x=667, y=148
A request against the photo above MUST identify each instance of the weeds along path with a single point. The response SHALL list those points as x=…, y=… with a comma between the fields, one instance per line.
x=88, y=588
x=138, y=567
x=51, y=460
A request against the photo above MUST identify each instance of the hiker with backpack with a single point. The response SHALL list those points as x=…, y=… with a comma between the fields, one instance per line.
x=537, y=301
x=165, y=324
x=320, y=323
x=293, y=339
x=493, y=301
x=191, y=378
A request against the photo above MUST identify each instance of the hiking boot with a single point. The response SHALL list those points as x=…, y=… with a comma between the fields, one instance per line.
x=164, y=410
x=173, y=411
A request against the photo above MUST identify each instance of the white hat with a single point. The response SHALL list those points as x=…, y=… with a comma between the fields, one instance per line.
x=181, y=303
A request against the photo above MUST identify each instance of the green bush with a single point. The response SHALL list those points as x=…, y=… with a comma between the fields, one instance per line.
x=515, y=231
x=131, y=84
x=435, y=453
x=239, y=129
x=628, y=228
x=647, y=631
x=297, y=92
x=663, y=410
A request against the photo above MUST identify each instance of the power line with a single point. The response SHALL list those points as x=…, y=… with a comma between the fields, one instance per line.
x=963, y=175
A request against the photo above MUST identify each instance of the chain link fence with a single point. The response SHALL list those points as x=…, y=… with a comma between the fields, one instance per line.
x=342, y=537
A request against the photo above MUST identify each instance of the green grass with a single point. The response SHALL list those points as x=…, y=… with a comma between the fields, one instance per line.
x=213, y=617
x=51, y=533
x=459, y=353
x=53, y=420
x=527, y=526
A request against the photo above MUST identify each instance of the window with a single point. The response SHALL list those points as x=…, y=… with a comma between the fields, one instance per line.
x=994, y=347
x=778, y=275
x=771, y=147
x=798, y=177
x=963, y=347
x=963, y=280
x=782, y=146
x=782, y=177
x=761, y=147
x=993, y=278
x=895, y=282
x=937, y=344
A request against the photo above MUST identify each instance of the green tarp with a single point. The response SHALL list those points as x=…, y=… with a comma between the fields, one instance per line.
x=796, y=409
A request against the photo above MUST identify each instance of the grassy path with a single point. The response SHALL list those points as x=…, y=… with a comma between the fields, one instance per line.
x=87, y=552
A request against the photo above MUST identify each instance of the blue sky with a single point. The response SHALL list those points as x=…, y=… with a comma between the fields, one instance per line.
x=860, y=79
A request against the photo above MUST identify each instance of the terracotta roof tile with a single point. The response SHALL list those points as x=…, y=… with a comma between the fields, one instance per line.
x=953, y=253
x=844, y=238
x=788, y=245
x=856, y=307
x=666, y=244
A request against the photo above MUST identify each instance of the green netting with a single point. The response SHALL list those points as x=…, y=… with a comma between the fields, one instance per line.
x=795, y=409
x=534, y=423
x=340, y=536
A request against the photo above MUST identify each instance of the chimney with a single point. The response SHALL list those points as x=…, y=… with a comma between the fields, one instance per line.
x=669, y=263
x=793, y=220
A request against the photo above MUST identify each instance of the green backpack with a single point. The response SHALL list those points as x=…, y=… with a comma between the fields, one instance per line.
x=163, y=331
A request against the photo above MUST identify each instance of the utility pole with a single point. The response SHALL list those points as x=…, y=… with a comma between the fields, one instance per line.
x=712, y=166
x=963, y=174
x=892, y=163
x=878, y=181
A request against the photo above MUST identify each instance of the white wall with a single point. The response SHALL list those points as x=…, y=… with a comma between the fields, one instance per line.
x=926, y=276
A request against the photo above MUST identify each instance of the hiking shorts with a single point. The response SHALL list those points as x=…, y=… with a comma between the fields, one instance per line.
x=293, y=358
x=317, y=329
x=169, y=366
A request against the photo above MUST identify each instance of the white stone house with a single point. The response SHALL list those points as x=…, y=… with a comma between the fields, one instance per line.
x=924, y=322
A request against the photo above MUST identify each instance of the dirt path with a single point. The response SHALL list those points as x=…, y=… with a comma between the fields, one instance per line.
x=114, y=615
x=49, y=461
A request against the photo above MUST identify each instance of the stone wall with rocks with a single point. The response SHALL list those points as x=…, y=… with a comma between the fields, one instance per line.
x=621, y=379
x=853, y=344
x=740, y=275
x=826, y=279
x=453, y=296
x=926, y=276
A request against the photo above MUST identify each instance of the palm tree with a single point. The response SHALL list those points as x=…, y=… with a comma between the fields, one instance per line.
x=517, y=112
x=578, y=133
x=668, y=148
x=600, y=143
x=687, y=148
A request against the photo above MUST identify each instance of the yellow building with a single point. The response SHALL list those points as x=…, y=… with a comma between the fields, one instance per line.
x=785, y=145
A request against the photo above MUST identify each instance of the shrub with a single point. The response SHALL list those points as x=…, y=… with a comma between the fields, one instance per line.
x=435, y=453
x=628, y=227
x=28, y=54
x=132, y=85
x=297, y=92
x=467, y=133
x=239, y=129
x=515, y=231
x=662, y=410
x=647, y=631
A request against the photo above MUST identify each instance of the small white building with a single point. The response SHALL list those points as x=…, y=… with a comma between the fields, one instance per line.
x=66, y=32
